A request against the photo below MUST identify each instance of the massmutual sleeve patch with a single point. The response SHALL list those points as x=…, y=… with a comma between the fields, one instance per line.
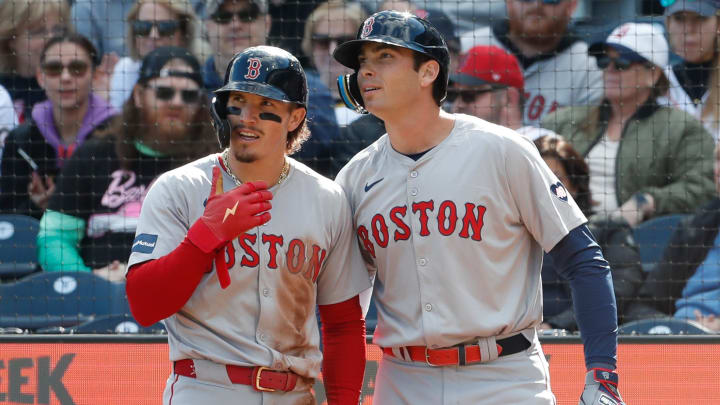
x=559, y=191
x=144, y=243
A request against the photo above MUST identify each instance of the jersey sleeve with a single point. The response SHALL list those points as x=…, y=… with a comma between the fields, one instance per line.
x=343, y=274
x=344, y=180
x=546, y=208
x=163, y=222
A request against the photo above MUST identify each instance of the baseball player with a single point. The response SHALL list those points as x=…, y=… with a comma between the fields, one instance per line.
x=453, y=214
x=236, y=277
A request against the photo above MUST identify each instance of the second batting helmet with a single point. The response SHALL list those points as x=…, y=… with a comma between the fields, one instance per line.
x=263, y=70
x=394, y=28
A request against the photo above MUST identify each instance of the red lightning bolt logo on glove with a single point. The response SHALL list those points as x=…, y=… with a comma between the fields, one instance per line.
x=227, y=216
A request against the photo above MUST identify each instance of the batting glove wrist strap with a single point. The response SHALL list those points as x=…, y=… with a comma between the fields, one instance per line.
x=201, y=236
x=601, y=388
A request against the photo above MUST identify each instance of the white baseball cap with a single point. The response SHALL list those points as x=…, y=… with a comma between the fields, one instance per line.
x=637, y=41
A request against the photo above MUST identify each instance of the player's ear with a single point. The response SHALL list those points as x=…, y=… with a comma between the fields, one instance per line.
x=296, y=118
x=429, y=71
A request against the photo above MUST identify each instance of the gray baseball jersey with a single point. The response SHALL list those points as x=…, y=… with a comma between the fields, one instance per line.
x=305, y=255
x=456, y=238
x=569, y=78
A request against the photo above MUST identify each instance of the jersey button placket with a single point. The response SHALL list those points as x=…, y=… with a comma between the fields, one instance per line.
x=265, y=281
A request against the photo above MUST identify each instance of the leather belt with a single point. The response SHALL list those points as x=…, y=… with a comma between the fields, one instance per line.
x=461, y=354
x=260, y=378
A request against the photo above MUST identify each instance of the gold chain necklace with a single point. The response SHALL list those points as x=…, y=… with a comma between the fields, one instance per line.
x=225, y=156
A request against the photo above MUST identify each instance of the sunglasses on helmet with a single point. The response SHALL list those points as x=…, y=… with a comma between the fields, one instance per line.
x=165, y=28
x=166, y=93
x=76, y=68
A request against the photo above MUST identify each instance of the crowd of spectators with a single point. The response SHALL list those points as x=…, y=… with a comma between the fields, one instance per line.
x=90, y=116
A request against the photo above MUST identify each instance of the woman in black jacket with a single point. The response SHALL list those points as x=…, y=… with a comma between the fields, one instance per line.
x=613, y=235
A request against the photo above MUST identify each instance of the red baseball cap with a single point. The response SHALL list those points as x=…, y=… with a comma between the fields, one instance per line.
x=489, y=65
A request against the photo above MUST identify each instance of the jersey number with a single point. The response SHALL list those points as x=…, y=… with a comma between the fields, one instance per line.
x=253, y=70
x=536, y=106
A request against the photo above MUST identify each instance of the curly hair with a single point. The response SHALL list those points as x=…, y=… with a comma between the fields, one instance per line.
x=556, y=147
x=297, y=137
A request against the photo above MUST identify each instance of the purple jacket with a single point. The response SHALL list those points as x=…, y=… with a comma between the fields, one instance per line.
x=98, y=111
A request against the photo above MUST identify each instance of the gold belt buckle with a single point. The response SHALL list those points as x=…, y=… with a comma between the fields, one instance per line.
x=257, y=380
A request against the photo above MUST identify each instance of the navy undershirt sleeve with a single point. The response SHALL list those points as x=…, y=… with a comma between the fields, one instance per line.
x=579, y=260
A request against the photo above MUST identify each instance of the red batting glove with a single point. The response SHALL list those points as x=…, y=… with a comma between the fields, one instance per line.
x=227, y=216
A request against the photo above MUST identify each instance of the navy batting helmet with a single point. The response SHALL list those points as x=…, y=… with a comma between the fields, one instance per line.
x=394, y=28
x=263, y=70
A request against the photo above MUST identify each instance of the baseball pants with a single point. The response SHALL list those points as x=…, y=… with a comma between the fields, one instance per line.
x=520, y=379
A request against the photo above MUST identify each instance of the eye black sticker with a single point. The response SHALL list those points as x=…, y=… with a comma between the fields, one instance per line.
x=270, y=117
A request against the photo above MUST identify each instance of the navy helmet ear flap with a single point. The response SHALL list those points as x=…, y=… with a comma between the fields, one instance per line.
x=218, y=111
x=350, y=93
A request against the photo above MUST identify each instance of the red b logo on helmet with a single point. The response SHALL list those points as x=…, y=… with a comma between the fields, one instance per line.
x=253, y=70
x=367, y=28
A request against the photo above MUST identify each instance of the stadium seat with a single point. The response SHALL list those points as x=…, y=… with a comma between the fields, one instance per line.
x=49, y=299
x=663, y=326
x=653, y=236
x=18, y=254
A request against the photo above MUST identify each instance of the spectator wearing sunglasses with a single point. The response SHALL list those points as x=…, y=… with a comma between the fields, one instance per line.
x=91, y=218
x=328, y=26
x=693, y=28
x=556, y=67
x=150, y=25
x=25, y=29
x=35, y=152
x=234, y=25
x=489, y=85
x=644, y=159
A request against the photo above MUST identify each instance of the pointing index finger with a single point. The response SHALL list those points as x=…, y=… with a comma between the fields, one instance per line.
x=216, y=188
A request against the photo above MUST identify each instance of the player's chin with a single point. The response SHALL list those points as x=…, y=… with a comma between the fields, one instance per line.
x=242, y=152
